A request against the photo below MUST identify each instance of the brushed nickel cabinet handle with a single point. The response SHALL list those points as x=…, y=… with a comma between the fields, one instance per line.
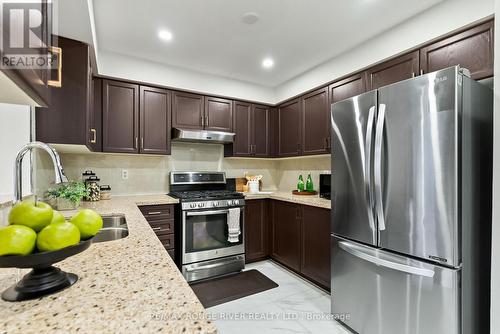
x=136, y=141
x=202, y=121
x=142, y=142
x=94, y=136
x=58, y=82
x=421, y=72
x=206, y=120
x=152, y=213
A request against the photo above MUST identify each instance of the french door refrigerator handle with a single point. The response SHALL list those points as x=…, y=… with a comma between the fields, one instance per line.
x=379, y=136
x=368, y=164
x=385, y=263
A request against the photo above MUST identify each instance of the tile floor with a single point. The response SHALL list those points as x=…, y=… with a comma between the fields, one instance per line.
x=285, y=309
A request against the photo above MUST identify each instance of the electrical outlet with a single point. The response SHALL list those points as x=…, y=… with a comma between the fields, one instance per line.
x=124, y=174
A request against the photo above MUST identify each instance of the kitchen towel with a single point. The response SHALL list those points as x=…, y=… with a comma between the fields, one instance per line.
x=233, y=225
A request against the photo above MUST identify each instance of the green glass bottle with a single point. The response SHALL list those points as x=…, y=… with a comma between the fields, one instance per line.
x=300, y=185
x=309, y=184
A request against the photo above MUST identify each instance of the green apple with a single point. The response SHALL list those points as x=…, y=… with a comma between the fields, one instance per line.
x=57, y=236
x=57, y=217
x=28, y=214
x=17, y=240
x=88, y=222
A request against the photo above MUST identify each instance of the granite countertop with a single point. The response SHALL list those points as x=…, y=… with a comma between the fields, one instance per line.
x=312, y=200
x=128, y=285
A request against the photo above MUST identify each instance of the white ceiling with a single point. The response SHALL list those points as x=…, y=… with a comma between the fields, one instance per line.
x=210, y=37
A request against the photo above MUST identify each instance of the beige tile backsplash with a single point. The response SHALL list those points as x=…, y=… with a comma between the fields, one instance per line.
x=149, y=174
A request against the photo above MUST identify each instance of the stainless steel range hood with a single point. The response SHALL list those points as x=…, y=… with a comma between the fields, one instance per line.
x=202, y=136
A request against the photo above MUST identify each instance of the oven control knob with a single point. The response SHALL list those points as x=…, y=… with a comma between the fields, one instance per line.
x=200, y=205
x=192, y=205
x=215, y=204
x=230, y=202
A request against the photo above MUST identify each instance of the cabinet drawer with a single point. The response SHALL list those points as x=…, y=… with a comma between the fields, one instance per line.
x=162, y=226
x=167, y=241
x=157, y=212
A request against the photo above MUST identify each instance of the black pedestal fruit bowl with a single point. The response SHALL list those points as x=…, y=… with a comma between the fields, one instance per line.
x=44, y=279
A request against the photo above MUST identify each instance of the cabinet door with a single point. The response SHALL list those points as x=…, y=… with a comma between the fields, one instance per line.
x=286, y=230
x=120, y=117
x=260, y=133
x=242, y=127
x=155, y=120
x=218, y=114
x=315, y=122
x=316, y=244
x=289, y=129
x=273, y=132
x=348, y=87
x=256, y=230
x=187, y=111
x=94, y=128
x=33, y=82
x=394, y=70
x=472, y=49
x=66, y=118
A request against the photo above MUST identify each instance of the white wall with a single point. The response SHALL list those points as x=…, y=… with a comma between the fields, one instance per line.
x=15, y=131
x=439, y=20
x=122, y=66
x=495, y=255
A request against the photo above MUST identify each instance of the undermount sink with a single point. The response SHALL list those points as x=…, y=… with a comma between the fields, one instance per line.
x=117, y=220
x=114, y=227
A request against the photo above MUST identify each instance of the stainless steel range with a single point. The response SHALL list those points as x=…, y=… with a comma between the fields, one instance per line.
x=211, y=224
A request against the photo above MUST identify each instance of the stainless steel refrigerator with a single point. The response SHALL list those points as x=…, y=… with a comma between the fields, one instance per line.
x=411, y=207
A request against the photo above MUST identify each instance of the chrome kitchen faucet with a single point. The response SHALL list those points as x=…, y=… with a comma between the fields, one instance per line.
x=18, y=173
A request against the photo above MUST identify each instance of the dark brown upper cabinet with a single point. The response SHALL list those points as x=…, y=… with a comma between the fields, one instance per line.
x=256, y=230
x=316, y=245
x=94, y=117
x=242, y=125
x=472, y=49
x=154, y=120
x=286, y=234
x=394, y=70
x=251, y=123
x=315, y=122
x=70, y=117
x=290, y=129
x=273, y=132
x=120, y=117
x=188, y=111
x=218, y=114
x=347, y=87
x=33, y=82
x=261, y=131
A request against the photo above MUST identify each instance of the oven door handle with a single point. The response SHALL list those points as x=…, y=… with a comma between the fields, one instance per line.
x=206, y=213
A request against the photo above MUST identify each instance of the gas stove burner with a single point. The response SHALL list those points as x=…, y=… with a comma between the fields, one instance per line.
x=206, y=194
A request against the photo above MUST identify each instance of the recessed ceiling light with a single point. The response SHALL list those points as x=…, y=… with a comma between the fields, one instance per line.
x=165, y=35
x=267, y=63
x=250, y=18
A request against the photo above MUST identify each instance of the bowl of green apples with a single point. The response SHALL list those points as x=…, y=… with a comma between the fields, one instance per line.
x=37, y=237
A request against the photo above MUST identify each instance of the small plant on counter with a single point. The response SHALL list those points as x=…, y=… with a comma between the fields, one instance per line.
x=67, y=196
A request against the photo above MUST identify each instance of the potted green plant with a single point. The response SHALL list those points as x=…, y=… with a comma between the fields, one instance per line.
x=67, y=196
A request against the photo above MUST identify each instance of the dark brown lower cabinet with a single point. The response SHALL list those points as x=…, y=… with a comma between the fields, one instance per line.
x=256, y=230
x=300, y=240
x=286, y=234
x=161, y=220
x=316, y=244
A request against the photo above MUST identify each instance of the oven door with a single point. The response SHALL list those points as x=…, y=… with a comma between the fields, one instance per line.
x=205, y=234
